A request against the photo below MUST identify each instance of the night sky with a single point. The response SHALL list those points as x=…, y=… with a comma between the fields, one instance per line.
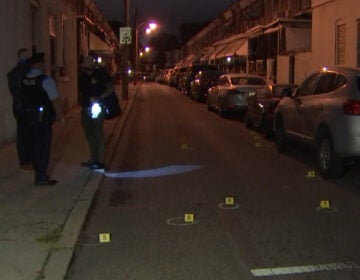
x=169, y=13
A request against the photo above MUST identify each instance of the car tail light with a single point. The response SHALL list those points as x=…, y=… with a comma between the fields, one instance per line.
x=352, y=107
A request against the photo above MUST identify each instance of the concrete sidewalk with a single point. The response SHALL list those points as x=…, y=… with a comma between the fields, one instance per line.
x=39, y=226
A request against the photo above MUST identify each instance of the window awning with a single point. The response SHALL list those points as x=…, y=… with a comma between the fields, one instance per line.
x=298, y=39
x=207, y=52
x=218, y=50
x=272, y=29
x=233, y=48
x=243, y=50
x=97, y=44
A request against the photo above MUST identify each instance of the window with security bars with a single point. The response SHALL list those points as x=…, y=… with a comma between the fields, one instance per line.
x=340, y=44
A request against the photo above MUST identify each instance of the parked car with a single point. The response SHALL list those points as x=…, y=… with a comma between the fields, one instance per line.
x=160, y=78
x=261, y=107
x=324, y=112
x=202, y=82
x=189, y=76
x=230, y=92
x=176, y=76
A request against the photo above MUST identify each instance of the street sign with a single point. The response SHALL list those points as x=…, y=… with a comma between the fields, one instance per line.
x=125, y=35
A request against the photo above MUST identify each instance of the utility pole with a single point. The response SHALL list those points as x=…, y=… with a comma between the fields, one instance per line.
x=125, y=76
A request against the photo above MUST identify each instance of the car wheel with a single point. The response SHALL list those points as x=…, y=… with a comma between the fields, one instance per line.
x=281, y=141
x=248, y=122
x=330, y=165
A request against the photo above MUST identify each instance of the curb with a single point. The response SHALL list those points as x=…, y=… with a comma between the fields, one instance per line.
x=58, y=261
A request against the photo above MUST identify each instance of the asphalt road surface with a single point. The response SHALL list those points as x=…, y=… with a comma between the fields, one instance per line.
x=194, y=196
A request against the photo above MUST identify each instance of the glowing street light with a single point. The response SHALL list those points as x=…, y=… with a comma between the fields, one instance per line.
x=150, y=27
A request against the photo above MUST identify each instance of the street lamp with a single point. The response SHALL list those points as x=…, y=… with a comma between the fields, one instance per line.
x=150, y=27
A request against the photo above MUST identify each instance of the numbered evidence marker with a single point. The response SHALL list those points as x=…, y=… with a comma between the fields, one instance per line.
x=324, y=204
x=311, y=174
x=184, y=146
x=229, y=200
x=189, y=218
x=104, y=237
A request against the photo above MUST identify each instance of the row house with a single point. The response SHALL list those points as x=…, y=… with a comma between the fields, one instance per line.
x=252, y=35
x=336, y=33
x=63, y=29
x=283, y=40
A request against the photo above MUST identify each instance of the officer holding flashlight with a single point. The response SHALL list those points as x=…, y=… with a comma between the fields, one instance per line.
x=95, y=83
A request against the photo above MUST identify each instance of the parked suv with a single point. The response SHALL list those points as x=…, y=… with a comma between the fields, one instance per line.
x=324, y=111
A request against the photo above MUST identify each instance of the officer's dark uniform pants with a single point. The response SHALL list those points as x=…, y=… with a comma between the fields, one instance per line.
x=23, y=142
x=23, y=134
x=94, y=133
x=41, y=135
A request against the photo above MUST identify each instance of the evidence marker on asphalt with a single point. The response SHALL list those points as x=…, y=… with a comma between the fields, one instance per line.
x=258, y=144
x=229, y=201
x=324, y=204
x=326, y=207
x=189, y=218
x=184, y=146
x=104, y=237
x=311, y=174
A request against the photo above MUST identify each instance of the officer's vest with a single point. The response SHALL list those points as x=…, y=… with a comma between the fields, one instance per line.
x=37, y=106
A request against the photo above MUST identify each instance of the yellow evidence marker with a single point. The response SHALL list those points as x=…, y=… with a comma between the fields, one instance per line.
x=258, y=144
x=189, y=218
x=311, y=174
x=184, y=146
x=229, y=200
x=104, y=237
x=324, y=204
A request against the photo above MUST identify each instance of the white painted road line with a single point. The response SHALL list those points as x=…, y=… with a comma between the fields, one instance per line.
x=263, y=272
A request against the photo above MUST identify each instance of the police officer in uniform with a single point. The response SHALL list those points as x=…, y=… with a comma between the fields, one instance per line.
x=42, y=106
x=14, y=77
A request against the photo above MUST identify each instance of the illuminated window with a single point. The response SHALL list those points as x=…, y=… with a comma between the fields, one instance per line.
x=340, y=44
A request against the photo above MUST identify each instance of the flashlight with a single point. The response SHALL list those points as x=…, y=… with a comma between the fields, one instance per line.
x=95, y=110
